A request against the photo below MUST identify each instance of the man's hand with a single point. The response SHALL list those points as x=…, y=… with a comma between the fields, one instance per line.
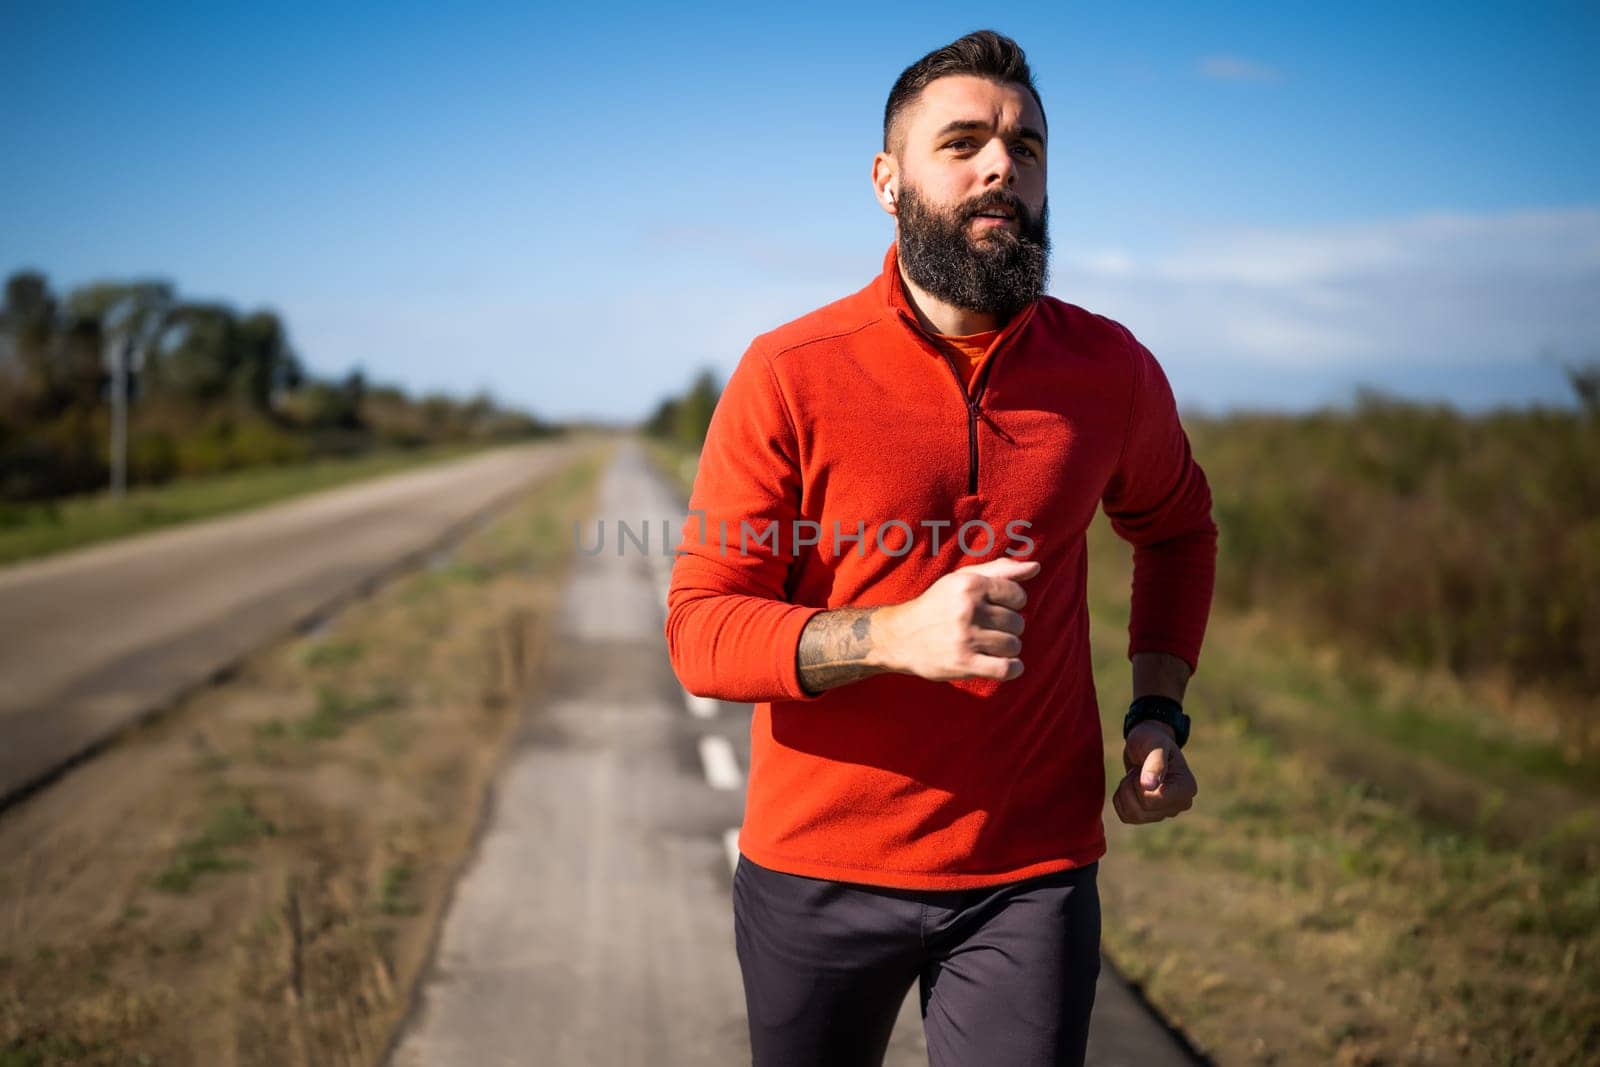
x=1158, y=784
x=965, y=625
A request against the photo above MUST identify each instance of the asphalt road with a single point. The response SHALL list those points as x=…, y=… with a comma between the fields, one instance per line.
x=593, y=924
x=92, y=640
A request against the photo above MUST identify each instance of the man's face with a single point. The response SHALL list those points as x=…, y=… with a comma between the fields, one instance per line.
x=974, y=147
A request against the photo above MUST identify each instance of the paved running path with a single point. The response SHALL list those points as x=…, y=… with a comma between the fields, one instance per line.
x=92, y=639
x=594, y=923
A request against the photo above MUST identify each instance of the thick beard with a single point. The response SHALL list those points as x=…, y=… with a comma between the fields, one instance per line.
x=998, y=273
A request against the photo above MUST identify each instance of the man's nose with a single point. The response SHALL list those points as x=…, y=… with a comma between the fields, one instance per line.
x=998, y=166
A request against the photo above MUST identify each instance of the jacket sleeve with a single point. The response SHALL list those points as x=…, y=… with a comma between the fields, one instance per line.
x=1159, y=501
x=731, y=635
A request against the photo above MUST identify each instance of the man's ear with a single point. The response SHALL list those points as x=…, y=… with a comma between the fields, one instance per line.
x=883, y=171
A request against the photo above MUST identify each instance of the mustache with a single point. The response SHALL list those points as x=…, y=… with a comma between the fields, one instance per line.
x=999, y=198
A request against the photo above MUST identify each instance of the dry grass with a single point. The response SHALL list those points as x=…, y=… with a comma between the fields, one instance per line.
x=255, y=877
x=1380, y=867
x=1422, y=534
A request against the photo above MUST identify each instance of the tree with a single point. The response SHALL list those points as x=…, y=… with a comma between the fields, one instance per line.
x=693, y=415
x=265, y=366
x=199, y=355
x=1585, y=381
x=28, y=323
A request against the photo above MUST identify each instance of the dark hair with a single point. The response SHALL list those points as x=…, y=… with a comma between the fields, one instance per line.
x=984, y=53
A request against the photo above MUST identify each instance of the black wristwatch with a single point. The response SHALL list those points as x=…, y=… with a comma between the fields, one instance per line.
x=1161, y=709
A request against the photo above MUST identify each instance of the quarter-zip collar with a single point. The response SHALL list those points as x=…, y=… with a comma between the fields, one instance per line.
x=891, y=291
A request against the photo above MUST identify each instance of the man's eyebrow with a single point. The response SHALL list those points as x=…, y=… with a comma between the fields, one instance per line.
x=960, y=125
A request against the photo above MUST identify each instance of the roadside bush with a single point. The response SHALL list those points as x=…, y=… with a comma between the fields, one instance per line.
x=1471, y=541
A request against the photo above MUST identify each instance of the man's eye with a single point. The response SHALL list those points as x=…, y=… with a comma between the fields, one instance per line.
x=1028, y=150
x=952, y=144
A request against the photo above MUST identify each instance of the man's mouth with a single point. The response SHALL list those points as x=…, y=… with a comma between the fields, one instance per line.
x=995, y=216
x=987, y=219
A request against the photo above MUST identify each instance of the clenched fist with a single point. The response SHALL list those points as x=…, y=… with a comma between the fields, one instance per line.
x=965, y=625
x=1158, y=784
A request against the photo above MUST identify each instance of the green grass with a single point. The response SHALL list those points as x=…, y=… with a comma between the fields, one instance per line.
x=229, y=828
x=319, y=654
x=336, y=711
x=465, y=573
x=395, y=891
x=43, y=1050
x=1467, y=738
x=541, y=543
x=38, y=529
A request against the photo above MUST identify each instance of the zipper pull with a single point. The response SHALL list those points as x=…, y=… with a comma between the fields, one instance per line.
x=977, y=410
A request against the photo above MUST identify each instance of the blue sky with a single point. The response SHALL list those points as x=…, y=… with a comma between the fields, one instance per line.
x=577, y=209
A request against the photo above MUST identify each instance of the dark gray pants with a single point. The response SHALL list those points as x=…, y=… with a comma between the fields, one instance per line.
x=1006, y=973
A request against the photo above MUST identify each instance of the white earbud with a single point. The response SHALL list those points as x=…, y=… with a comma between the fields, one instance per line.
x=888, y=191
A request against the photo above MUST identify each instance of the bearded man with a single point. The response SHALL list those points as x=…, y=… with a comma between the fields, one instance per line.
x=900, y=483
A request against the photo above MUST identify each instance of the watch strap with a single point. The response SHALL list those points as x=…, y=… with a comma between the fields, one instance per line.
x=1161, y=709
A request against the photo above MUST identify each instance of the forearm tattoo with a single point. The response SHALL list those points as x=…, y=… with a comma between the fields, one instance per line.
x=834, y=647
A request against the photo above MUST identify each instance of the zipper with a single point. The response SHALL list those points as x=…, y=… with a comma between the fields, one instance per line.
x=972, y=401
x=972, y=417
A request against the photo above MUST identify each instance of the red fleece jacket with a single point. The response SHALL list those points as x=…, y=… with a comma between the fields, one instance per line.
x=842, y=462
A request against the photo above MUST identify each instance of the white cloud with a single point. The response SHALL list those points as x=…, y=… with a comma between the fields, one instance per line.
x=1234, y=69
x=1436, y=289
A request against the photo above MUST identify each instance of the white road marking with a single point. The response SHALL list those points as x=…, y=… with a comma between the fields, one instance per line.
x=721, y=766
x=700, y=707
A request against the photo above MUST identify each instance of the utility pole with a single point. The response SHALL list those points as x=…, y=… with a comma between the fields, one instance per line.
x=134, y=322
x=120, y=345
